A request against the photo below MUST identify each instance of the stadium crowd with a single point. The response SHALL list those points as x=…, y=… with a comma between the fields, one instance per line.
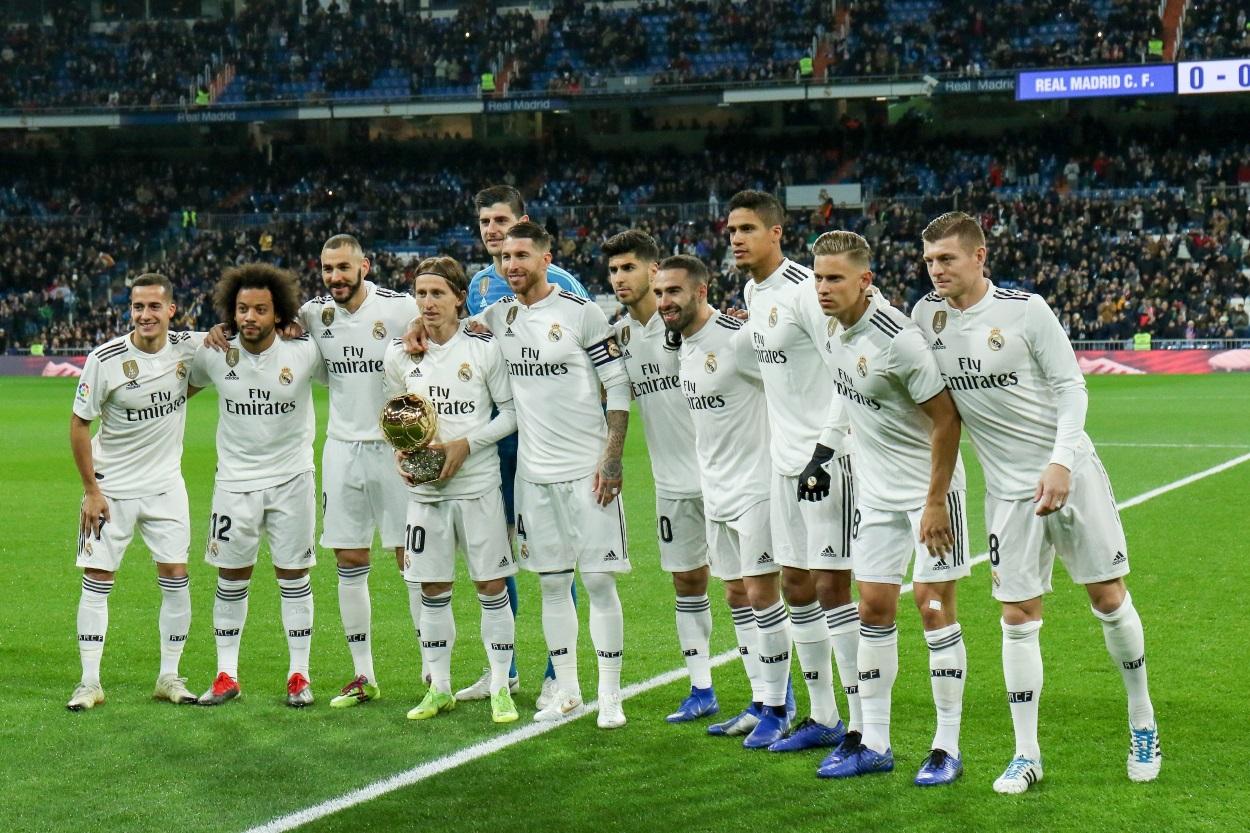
x=1145, y=233
x=285, y=50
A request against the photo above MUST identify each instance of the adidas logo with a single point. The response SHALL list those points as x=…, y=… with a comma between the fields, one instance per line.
x=765, y=559
x=937, y=345
x=327, y=334
x=508, y=332
x=416, y=373
x=504, y=562
x=232, y=376
x=611, y=556
x=1120, y=558
x=941, y=564
x=828, y=552
x=132, y=386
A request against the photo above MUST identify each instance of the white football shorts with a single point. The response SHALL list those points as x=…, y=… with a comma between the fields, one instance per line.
x=474, y=526
x=361, y=491
x=1086, y=533
x=814, y=535
x=285, y=514
x=742, y=546
x=683, y=533
x=884, y=542
x=162, y=521
x=560, y=526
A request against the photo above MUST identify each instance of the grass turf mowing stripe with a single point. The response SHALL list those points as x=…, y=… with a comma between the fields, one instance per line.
x=489, y=747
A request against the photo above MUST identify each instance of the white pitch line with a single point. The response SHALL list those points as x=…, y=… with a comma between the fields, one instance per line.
x=480, y=750
x=1100, y=444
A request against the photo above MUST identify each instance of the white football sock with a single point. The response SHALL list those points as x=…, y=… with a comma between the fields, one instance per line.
x=815, y=650
x=774, y=653
x=174, y=620
x=607, y=629
x=560, y=629
x=843, y=625
x=498, y=636
x=356, y=612
x=948, y=666
x=414, y=610
x=878, y=668
x=1126, y=642
x=229, y=616
x=438, y=638
x=748, y=639
x=1022, y=673
x=297, y=618
x=694, y=632
x=93, y=624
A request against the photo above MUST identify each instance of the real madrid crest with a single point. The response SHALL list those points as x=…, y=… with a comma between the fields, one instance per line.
x=939, y=321
x=861, y=366
x=286, y=377
x=525, y=551
x=832, y=325
x=327, y=314
x=614, y=349
x=772, y=317
x=131, y=368
x=554, y=333
x=212, y=547
x=379, y=330
x=465, y=373
x=483, y=286
x=625, y=336
x=181, y=371
x=511, y=315
x=232, y=356
x=709, y=364
x=996, y=340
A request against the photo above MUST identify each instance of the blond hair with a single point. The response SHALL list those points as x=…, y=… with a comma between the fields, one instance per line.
x=955, y=224
x=840, y=242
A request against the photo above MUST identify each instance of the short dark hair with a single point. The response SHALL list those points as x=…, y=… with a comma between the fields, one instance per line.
x=531, y=231
x=447, y=268
x=338, y=241
x=155, y=279
x=505, y=194
x=282, y=285
x=632, y=241
x=693, y=267
x=764, y=204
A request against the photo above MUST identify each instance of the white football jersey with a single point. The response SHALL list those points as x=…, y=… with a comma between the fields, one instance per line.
x=651, y=360
x=721, y=382
x=1009, y=365
x=265, y=418
x=883, y=370
x=140, y=399
x=464, y=378
x=788, y=332
x=352, y=345
x=559, y=350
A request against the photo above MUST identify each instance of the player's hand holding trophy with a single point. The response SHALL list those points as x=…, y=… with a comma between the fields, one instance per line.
x=410, y=423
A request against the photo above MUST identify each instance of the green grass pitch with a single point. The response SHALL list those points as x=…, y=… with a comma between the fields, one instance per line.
x=134, y=764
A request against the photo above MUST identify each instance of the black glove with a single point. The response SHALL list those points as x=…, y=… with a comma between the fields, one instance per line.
x=814, y=480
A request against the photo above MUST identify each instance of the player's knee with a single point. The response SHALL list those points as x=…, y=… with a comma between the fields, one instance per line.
x=435, y=588
x=354, y=557
x=877, y=606
x=690, y=583
x=833, y=587
x=736, y=594
x=763, y=591
x=235, y=573
x=555, y=587
x=798, y=586
x=288, y=574
x=1020, y=613
x=1107, y=596
x=98, y=575
x=171, y=570
x=600, y=586
x=493, y=587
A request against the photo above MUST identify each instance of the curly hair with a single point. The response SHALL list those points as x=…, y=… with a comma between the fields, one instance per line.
x=282, y=285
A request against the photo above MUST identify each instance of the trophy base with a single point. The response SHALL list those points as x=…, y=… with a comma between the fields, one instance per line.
x=423, y=466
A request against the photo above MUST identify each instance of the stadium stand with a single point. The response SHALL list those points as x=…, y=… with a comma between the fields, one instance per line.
x=1216, y=29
